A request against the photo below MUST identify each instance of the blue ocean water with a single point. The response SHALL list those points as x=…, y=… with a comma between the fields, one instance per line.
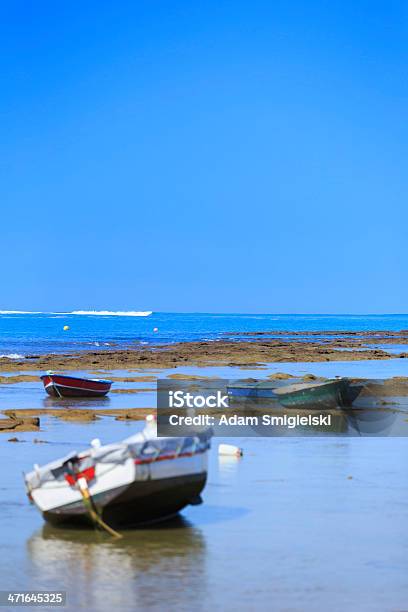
x=22, y=334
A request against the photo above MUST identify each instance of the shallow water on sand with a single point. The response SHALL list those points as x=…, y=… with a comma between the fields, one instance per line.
x=284, y=527
x=296, y=524
x=32, y=395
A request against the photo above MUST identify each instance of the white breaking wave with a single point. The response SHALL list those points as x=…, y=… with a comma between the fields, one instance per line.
x=18, y=312
x=111, y=313
x=12, y=356
x=107, y=313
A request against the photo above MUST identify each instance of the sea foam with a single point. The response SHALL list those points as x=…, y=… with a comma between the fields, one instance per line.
x=6, y=312
x=111, y=313
x=106, y=313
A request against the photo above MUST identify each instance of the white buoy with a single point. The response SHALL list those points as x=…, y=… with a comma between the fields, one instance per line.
x=151, y=423
x=96, y=443
x=155, y=329
x=230, y=450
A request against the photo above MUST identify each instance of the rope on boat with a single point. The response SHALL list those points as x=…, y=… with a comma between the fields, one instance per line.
x=57, y=390
x=90, y=507
x=54, y=386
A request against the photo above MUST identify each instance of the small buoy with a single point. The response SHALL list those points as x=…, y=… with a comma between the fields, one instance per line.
x=66, y=327
x=155, y=329
x=230, y=450
x=96, y=443
x=150, y=420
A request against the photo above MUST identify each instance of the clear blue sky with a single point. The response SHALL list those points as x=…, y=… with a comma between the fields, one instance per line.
x=213, y=156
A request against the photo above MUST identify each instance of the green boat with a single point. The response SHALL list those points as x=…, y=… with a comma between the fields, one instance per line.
x=328, y=394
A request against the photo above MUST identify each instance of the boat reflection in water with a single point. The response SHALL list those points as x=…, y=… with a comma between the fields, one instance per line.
x=343, y=421
x=77, y=402
x=139, y=571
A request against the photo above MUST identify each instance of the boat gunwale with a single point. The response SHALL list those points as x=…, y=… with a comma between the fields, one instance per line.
x=97, y=380
x=299, y=387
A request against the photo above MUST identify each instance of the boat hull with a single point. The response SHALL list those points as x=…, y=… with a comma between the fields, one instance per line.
x=137, y=503
x=251, y=393
x=139, y=480
x=325, y=396
x=331, y=394
x=70, y=386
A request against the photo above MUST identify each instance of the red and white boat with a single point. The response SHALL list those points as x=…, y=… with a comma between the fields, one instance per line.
x=59, y=385
x=142, y=479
